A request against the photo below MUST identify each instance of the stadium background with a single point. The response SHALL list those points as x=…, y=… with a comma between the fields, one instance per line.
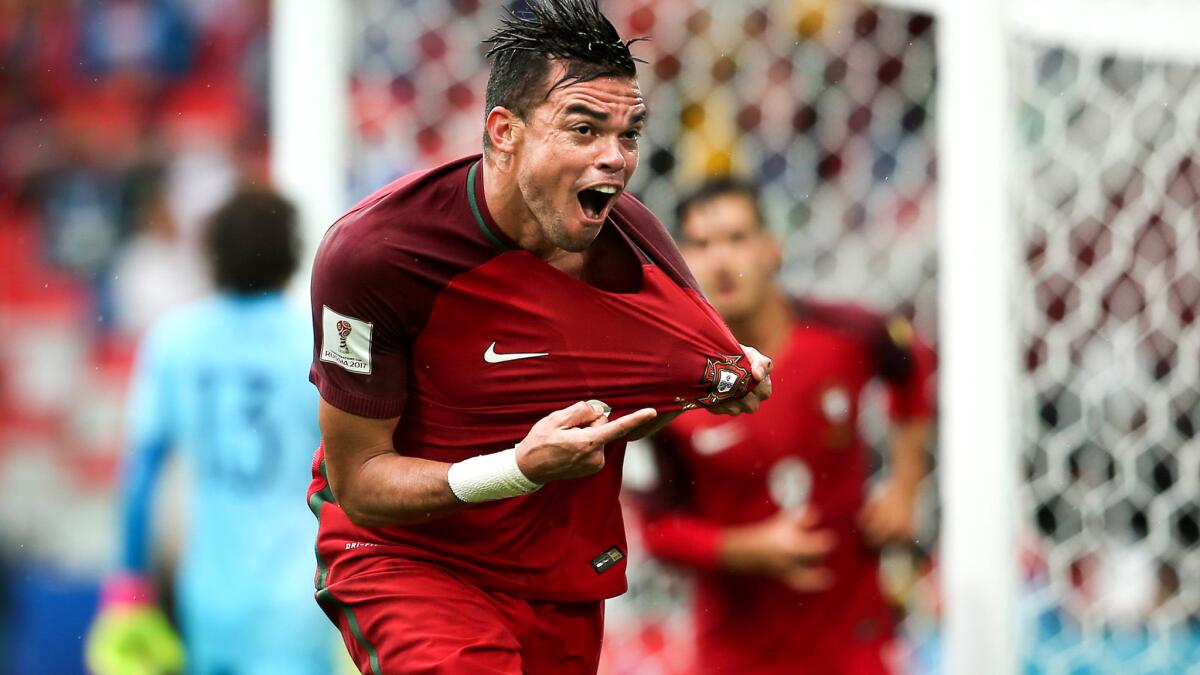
x=124, y=122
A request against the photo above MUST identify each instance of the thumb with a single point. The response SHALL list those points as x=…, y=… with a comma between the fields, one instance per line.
x=760, y=365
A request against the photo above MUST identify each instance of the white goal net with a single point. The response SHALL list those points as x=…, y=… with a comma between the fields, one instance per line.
x=1108, y=308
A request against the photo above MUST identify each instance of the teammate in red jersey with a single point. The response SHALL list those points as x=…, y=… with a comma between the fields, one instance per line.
x=770, y=510
x=487, y=333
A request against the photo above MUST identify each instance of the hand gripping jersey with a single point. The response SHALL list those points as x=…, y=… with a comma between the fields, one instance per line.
x=424, y=309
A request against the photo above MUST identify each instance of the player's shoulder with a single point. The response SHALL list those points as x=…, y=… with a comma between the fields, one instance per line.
x=853, y=320
x=268, y=313
x=397, y=234
x=404, y=214
x=836, y=313
x=177, y=328
x=415, y=189
x=889, y=336
x=189, y=315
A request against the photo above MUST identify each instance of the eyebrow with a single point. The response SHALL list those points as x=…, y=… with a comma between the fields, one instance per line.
x=581, y=109
x=600, y=115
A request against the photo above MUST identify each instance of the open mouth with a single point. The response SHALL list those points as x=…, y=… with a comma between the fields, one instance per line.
x=594, y=201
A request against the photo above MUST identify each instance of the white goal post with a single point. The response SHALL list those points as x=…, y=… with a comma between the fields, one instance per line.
x=309, y=117
x=978, y=364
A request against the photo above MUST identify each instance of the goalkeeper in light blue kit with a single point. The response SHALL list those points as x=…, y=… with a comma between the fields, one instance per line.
x=225, y=382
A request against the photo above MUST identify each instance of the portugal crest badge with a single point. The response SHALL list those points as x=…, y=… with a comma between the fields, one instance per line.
x=725, y=379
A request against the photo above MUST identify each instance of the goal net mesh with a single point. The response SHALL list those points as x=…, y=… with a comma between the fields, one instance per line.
x=1107, y=190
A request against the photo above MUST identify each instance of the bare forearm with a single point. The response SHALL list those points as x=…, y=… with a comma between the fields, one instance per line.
x=375, y=485
x=909, y=456
x=391, y=489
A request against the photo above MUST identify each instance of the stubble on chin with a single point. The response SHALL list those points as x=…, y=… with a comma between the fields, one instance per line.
x=558, y=235
x=553, y=226
x=551, y=222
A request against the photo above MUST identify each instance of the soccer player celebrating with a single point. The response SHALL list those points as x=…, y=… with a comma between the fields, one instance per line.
x=223, y=382
x=487, y=334
x=770, y=510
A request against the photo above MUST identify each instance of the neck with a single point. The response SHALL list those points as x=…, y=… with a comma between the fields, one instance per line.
x=507, y=205
x=766, y=327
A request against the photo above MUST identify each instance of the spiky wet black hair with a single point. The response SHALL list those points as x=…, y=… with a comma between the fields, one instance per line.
x=572, y=31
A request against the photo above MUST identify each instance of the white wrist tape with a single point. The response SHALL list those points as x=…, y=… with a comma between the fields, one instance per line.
x=489, y=477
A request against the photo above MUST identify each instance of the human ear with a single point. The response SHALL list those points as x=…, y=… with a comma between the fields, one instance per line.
x=503, y=128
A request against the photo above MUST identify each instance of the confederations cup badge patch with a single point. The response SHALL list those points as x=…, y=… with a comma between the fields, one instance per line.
x=346, y=341
x=344, y=330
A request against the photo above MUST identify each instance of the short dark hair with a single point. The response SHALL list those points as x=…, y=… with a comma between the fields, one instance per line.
x=718, y=187
x=522, y=49
x=252, y=242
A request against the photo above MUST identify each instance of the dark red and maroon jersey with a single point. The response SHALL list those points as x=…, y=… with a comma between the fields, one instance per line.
x=424, y=309
x=801, y=448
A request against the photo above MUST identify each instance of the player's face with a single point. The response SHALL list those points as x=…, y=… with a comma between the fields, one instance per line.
x=578, y=152
x=732, y=256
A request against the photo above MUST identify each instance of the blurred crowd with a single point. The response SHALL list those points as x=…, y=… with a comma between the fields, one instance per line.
x=123, y=124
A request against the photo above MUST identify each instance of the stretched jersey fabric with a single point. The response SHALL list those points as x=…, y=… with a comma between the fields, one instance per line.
x=424, y=309
x=801, y=448
x=223, y=382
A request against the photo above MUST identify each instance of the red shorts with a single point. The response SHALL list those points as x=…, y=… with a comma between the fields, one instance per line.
x=401, y=616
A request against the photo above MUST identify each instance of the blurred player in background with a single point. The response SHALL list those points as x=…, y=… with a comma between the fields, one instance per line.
x=476, y=325
x=223, y=381
x=771, y=510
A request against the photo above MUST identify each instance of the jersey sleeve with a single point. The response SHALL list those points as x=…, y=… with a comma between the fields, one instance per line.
x=670, y=532
x=898, y=356
x=150, y=432
x=910, y=396
x=151, y=398
x=361, y=348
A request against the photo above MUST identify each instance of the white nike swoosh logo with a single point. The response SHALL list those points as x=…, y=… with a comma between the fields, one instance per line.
x=492, y=357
